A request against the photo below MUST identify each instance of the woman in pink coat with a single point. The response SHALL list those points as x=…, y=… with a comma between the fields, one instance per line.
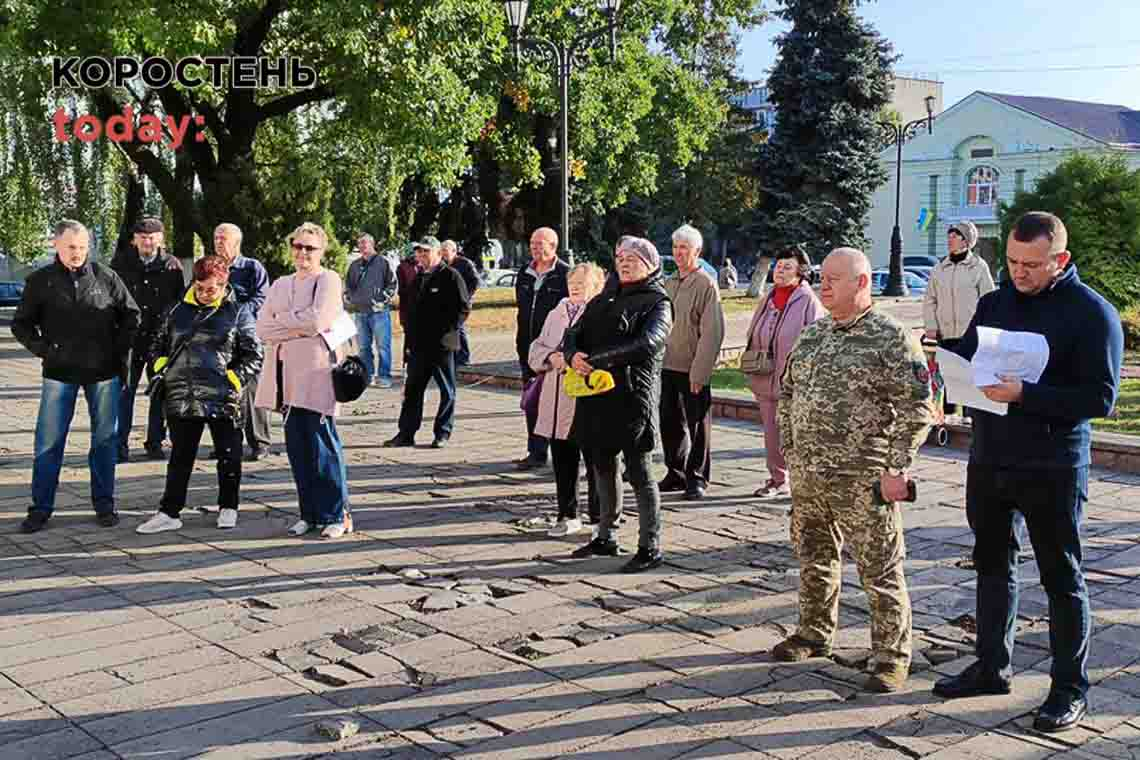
x=296, y=379
x=789, y=307
x=555, y=408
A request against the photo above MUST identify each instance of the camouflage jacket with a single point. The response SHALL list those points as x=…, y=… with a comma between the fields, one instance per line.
x=855, y=397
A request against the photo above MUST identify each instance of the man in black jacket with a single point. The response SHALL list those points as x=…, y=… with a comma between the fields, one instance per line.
x=154, y=280
x=470, y=275
x=539, y=287
x=79, y=318
x=1034, y=459
x=440, y=305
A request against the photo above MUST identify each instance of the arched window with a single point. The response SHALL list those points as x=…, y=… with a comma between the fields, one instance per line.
x=982, y=186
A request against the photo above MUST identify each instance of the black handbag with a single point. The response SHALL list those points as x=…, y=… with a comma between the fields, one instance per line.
x=349, y=377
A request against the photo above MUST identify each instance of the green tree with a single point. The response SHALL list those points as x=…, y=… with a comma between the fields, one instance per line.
x=820, y=167
x=1098, y=199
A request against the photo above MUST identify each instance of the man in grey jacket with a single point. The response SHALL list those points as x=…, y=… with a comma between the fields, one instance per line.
x=368, y=291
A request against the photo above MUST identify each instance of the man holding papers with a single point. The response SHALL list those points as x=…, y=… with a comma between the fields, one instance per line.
x=1034, y=459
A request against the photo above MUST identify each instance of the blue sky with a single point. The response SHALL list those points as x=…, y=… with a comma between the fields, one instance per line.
x=971, y=46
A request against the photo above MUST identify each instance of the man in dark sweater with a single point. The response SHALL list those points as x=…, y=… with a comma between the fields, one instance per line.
x=470, y=275
x=1035, y=460
x=439, y=305
x=78, y=317
x=155, y=281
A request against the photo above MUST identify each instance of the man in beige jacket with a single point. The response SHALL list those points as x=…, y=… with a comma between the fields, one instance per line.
x=690, y=356
x=955, y=286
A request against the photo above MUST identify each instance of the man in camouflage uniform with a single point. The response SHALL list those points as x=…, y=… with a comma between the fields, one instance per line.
x=854, y=407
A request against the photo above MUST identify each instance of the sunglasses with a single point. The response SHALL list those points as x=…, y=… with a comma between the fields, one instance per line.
x=306, y=248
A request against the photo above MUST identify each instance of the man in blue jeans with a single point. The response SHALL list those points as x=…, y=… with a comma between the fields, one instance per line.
x=369, y=288
x=1035, y=460
x=79, y=318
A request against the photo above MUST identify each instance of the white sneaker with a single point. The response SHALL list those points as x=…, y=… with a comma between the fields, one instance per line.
x=336, y=530
x=227, y=518
x=566, y=528
x=160, y=523
x=299, y=528
x=384, y=382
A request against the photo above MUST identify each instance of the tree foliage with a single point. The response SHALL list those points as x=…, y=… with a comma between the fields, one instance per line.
x=821, y=166
x=1098, y=199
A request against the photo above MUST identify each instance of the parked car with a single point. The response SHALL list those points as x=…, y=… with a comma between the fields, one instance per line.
x=498, y=278
x=11, y=293
x=669, y=267
x=919, y=261
x=923, y=272
x=914, y=283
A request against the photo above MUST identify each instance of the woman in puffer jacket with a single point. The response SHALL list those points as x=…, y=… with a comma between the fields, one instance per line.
x=555, y=408
x=207, y=350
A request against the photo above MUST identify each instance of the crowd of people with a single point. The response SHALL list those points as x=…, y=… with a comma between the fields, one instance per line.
x=615, y=366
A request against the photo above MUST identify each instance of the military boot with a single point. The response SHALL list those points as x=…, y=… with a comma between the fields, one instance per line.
x=887, y=677
x=795, y=649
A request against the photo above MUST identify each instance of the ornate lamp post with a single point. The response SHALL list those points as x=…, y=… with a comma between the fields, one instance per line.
x=564, y=58
x=897, y=134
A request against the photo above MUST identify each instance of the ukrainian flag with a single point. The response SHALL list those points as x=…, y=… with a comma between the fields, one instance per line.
x=925, y=219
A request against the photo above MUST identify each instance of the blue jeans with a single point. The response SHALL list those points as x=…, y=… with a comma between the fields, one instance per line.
x=317, y=460
x=463, y=355
x=375, y=326
x=57, y=408
x=1052, y=502
x=155, y=419
x=424, y=366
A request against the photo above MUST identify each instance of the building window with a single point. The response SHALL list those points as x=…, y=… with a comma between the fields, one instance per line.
x=982, y=153
x=982, y=186
x=1019, y=181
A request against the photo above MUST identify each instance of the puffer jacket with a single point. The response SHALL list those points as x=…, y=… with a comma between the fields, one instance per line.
x=952, y=295
x=623, y=331
x=219, y=337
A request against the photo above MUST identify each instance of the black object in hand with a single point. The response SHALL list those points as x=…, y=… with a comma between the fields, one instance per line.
x=877, y=492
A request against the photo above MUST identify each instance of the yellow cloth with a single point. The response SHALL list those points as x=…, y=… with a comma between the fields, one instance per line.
x=160, y=362
x=234, y=381
x=191, y=299
x=577, y=386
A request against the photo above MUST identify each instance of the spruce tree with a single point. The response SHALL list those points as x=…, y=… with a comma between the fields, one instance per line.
x=821, y=164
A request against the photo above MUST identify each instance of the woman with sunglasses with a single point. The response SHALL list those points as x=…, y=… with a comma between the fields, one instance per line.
x=297, y=381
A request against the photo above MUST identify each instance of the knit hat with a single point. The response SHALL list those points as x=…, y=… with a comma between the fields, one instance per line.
x=968, y=232
x=645, y=251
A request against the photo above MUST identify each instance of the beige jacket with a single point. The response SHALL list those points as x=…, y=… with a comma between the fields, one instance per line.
x=952, y=295
x=698, y=326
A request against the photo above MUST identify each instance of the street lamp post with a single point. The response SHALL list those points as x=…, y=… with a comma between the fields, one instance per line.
x=563, y=57
x=897, y=134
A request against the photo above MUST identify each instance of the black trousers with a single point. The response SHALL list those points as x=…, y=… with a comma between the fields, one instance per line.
x=424, y=366
x=686, y=429
x=256, y=430
x=185, y=435
x=566, y=456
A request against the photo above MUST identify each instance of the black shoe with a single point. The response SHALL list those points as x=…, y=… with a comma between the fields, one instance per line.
x=972, y=682
x=399, y=441
x=528, y=463
x=1060, y=714
x=107, y=519
x=124, y=455
x=254, y=455
x=439, y=443
x=644, y=560
x=671, y=485
x=155, y=453
x=598, y=548
x=34, y=522
x=695, y=492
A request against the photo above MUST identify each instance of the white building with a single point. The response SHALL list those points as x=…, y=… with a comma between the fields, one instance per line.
x=984, y=149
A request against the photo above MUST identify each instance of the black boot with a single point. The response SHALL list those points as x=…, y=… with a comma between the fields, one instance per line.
x=974, y=681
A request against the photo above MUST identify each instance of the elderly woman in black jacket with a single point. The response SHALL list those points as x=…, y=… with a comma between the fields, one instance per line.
x=624, y=331
x=207, y=350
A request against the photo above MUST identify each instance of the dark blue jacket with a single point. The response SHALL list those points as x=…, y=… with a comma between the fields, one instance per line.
x=249, y=282
x=1049, y=427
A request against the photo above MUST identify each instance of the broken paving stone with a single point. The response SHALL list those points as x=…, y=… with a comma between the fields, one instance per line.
x=414, y=628
x=940, y=655
x=440, y=601
x=353, y=644
x=617, y=603
x=542, y=522
x=852, y=658
x=534, y=650
x=589, y=636
x=513, y=643
x=421, y=677
x=383, y=635
x=474, y=590
x=330, y=651
x=412, y=574
x=467, y=600
x=338, y=729
x=561, y=632
x=500, y=589
x=966, y=623
x=334, y=675
x=297, y=658
x=443, y=584
x=259, y=604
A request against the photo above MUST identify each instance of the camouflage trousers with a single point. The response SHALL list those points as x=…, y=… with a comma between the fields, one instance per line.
x=828, y=510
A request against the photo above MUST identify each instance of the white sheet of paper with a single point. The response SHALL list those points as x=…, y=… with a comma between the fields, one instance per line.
x=1014, y=354
x=342, y=331
x=958, y=375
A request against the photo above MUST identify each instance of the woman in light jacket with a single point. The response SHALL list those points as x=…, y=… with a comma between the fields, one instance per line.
x=789, y=307
x=297, y=381
x=555, y=408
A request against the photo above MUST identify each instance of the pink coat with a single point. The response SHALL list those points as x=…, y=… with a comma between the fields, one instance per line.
x=289, y=325
x=555, y=408
x=802, y=309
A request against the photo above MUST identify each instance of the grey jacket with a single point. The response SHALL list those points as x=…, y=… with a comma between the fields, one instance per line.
x=369, y=288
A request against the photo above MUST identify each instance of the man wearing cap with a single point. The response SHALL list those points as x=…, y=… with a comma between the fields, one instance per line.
x=250, y=284
x=439, y=305
x=954, y=287
x=155, y=281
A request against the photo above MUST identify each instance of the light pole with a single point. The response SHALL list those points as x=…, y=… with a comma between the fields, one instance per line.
x=897, y=134
x=563, y=57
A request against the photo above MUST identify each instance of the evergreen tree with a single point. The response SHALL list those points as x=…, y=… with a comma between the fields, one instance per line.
x=821, y=165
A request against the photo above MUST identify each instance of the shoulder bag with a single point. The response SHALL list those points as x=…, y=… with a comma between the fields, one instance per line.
x=762, y=363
